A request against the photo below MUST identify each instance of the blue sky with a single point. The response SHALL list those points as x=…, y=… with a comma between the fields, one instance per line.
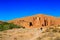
x=11, y=9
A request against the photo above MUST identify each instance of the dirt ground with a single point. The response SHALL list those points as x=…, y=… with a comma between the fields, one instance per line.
x=31, y=34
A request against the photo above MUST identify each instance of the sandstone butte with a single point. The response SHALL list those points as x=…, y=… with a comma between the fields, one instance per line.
x=37, y=21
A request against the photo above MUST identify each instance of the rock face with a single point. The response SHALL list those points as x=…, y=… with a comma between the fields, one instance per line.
x=37, y=21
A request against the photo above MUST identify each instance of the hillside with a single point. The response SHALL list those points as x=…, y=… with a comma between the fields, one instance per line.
x=37, y=21
x=36, y=27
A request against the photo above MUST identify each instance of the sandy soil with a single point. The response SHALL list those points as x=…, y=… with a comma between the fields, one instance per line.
x=30, y=34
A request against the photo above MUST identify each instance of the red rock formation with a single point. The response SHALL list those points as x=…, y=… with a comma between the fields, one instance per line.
x=37, y=21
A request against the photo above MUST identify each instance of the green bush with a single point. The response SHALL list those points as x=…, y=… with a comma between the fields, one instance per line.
x=13, y=26
x=1, y=27
x=6, y=26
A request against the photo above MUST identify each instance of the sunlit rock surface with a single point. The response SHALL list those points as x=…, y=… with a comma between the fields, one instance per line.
x=37, y=21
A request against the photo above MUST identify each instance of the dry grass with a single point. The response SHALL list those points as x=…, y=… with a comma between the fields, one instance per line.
x=31, y=34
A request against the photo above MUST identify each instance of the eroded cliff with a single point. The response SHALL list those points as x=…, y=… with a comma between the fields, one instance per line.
x=37, y=21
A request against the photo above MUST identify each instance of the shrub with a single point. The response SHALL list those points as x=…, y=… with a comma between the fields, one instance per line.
x=6, y=26
x=13, y=26
x=1, y=27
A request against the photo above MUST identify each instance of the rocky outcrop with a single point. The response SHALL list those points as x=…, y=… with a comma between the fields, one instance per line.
x=37, y=21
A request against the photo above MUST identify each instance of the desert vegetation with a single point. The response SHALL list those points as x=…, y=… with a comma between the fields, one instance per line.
x=7, y=26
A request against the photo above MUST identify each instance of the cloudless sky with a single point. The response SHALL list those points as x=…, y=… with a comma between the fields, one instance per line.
x=11, y=9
